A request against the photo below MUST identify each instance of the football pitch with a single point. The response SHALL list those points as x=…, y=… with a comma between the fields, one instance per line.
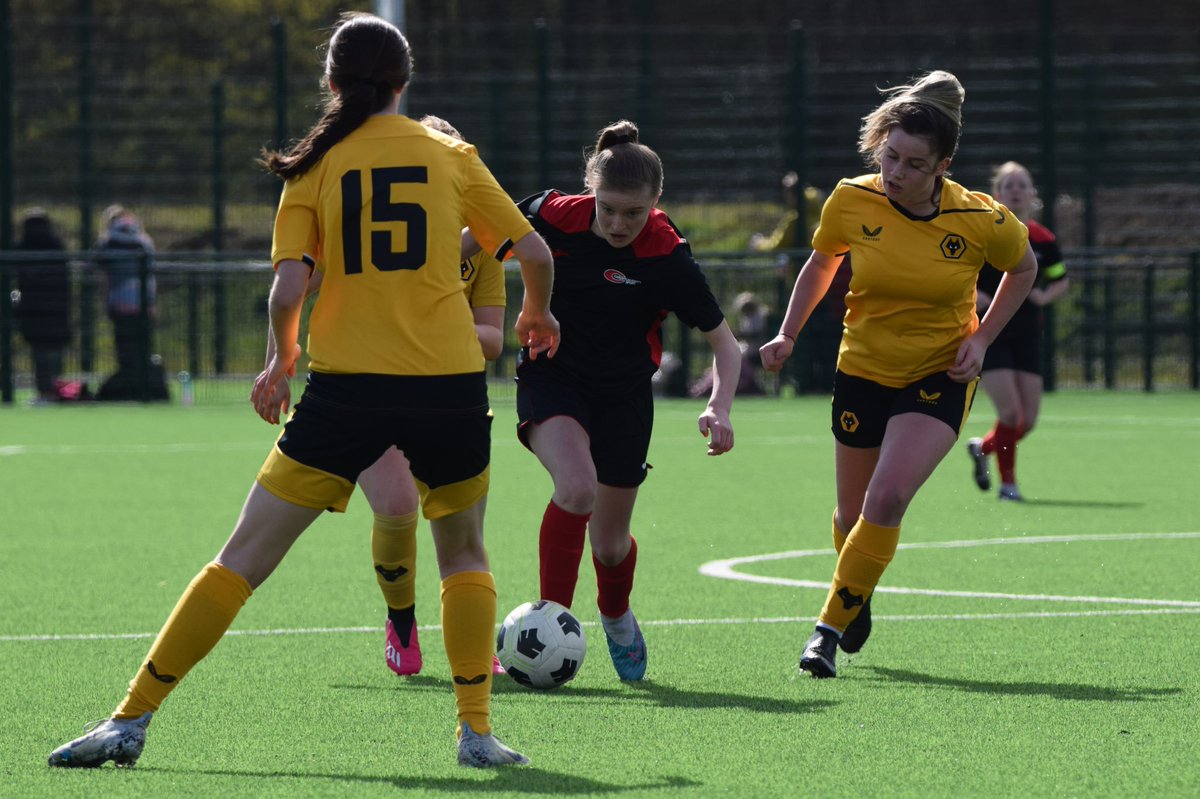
x=1041, y=649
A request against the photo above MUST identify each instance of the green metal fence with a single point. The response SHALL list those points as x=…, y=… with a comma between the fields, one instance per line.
x=164, y=107
x=1130, y=321
x=100, y=102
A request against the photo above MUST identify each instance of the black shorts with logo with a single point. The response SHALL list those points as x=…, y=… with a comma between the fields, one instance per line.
x=618, y=426
x=862, y=408
x=344, y=422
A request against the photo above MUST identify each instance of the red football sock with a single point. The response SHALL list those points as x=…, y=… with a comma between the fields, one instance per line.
x=560, y=548
x=1006, y=451
x=616, y=583
x=988, y=446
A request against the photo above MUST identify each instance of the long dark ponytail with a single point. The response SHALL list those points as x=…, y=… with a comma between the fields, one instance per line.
x=368, y=60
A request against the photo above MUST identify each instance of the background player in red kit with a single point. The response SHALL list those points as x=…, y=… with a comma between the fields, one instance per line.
x=588, y=413
x=1012, y=368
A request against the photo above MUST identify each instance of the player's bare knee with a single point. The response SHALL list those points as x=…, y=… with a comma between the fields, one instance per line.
x=575, y=493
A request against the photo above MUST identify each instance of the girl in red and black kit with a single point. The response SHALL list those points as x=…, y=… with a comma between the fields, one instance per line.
x=621, y=266
x=1012, y=368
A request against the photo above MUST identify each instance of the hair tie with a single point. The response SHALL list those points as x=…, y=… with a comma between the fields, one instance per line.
x=622, y=138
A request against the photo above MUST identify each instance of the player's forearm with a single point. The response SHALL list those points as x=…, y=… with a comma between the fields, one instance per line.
x=284, y=306
x=811, y=285
x=1013, y=289
x=537, y=272
x=727, y=366
x=491, y=341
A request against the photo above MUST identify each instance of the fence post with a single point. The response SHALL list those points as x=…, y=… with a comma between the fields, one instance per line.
x=6, y=193
x=797, y=127
x=542, y=39
x=1091, y=156
x=1194, y=317
x=1088, y=301
x=6, y=354
x=1047, y=110
x=1049, y=348
x=1110, y=336
x=1149, y=333
x=279, y=37
x=6, y=129
x=87, y=316
x=144, y=321
x=220, y=331
x=645, y=86
x=499, y=153
x=218, y=168
x=193, y=321
x=86, y=178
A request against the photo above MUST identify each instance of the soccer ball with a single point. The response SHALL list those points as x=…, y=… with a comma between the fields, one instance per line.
x=541, y=645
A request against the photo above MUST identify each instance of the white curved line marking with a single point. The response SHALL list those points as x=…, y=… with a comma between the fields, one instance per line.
x=726, y=569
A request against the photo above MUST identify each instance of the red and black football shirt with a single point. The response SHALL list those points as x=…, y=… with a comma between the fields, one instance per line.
x=610, y=302
x=1050, y=270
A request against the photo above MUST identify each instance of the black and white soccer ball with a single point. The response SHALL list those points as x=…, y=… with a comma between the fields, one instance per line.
x=541, y=645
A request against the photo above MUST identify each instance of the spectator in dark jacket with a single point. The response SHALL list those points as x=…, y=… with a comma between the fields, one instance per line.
x=44, y=306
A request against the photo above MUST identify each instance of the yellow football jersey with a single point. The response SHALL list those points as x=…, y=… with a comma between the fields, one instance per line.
x=383, y=213
x=911, y=301
x=483, y=279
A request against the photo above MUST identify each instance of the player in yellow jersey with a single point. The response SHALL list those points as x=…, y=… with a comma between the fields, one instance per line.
x=389, y=488
x=388, y=483
x=912, y=345
x=393, y=496
x=380, y=201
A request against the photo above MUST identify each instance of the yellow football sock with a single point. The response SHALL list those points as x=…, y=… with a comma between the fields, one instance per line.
x=200, y=618
x=839, y=535
x=394, y=550
x=468, y=630
x=868, y=550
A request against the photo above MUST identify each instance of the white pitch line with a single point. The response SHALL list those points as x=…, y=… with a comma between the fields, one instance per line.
x=726, y=569
x=129, y=449
x=1077, y=614
x=13, y=450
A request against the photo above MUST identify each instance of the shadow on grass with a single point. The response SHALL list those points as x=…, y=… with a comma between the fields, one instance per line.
x=661, y=695
x=1073, y=691
x=668, y=696
x=1082, y=503
x=516, y=780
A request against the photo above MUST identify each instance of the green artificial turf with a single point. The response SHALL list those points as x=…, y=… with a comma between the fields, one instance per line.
x=1046, y=648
